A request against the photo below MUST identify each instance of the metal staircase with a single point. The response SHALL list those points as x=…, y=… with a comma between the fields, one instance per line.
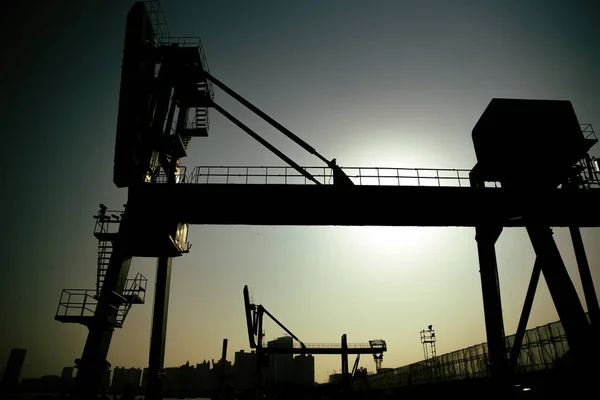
x=104, y=254
x=201, y=120
x=79, y=305
x=197, y=102
x=195, y=92
x=106, y=231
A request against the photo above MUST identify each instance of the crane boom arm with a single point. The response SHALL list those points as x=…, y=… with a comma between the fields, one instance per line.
x=339, y=177
x=264, y=116
x=265, y=143
x=283, y=327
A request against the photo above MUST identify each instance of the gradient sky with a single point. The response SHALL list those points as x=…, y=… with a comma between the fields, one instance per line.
x=378, y=83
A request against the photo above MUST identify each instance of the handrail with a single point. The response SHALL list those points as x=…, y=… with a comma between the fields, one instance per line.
x=367, y=176
x=136, y=286
x=105, y=220
x=339, y=346
x=158, y=20
x=360, y=176
x=80, y=300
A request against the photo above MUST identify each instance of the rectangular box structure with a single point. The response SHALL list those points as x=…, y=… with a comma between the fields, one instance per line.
x=134, y=148
x=519, y=141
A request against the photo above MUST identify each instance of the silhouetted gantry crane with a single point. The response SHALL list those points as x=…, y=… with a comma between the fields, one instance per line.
x=254, y=322
x=533, y=170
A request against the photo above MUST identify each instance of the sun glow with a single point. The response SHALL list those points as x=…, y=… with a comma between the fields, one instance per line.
x=393, y=238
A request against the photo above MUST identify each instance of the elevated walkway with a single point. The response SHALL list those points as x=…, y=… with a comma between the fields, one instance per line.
x=278, y=195
x=329, y=348
x=312, y=205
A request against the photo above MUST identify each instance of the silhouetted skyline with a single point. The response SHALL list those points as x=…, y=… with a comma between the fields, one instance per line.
x=389, y=83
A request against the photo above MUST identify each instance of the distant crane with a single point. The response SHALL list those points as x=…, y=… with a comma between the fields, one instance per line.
x=254, y=321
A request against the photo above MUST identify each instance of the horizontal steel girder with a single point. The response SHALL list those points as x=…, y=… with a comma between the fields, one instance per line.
x=306, y=205
x=319, y=350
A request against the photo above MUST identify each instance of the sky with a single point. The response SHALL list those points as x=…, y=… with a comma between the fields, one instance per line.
x=378, y=83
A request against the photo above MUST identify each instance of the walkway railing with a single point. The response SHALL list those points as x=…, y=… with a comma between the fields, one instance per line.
x=367, y=176
x=158, y=21
x=360, y=176
x=334, y=345
x=77, y=303
x=108, y=221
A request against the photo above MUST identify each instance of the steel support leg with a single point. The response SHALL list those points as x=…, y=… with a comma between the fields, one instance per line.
x=345, y=377
x=564, y=296
x=159, y=329
x=93, y=365
x=586, y=277
x=260, y=356
x=516, y=347
x=486, y=236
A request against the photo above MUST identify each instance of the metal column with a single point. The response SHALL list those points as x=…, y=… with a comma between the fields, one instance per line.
x=533, y=282
x=262, y=359
x=93, y=365
x=345, y=377
x=163, y=277
x=586, y=277
x=159, y=329
x=486, y=236
x=564, y=296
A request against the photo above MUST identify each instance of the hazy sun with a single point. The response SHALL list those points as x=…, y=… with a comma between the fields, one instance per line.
x=411, y=238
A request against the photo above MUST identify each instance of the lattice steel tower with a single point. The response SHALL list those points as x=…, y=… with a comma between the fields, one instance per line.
x=428, y=341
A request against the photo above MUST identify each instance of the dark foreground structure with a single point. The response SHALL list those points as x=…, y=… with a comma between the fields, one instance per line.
x=533, y=171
